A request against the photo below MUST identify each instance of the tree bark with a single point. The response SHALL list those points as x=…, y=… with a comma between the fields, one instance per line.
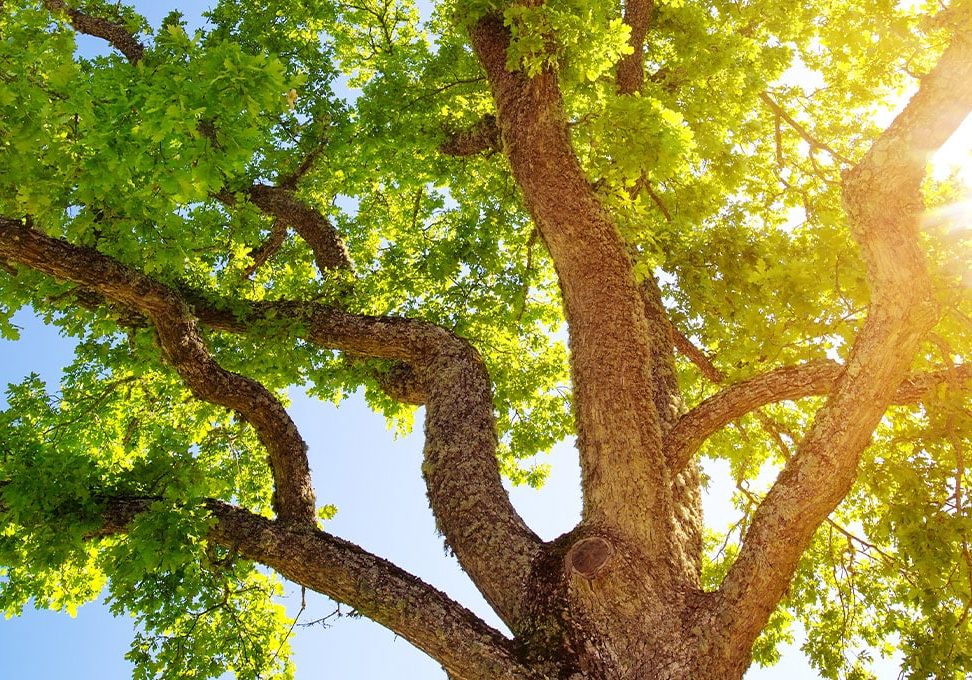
x=624, y=478
x=618, y=597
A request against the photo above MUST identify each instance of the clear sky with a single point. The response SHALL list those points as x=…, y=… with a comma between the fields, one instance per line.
x=375, y=482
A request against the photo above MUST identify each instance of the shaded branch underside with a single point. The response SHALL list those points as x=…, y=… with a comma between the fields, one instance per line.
x=376, y=588
x=114, y=33
x=310, y=224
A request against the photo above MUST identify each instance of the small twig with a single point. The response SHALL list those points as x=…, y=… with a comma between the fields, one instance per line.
x=417, y=205
x=290, y=631
x=323, y=621
x=778, y=138
x=443, y=88
x=266, y=250
x=528, y=268
x=290, y=181
x=799, y=129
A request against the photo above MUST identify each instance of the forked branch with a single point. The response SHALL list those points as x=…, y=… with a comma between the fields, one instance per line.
x=804, y=134
x=882, y=197
x=310, y=224
x=472, y=509
x=618, y=430
x=184, y=348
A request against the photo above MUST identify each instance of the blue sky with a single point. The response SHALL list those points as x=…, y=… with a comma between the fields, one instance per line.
x=375, y=482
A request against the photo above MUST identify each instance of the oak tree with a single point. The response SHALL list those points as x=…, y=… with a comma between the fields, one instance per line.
x=719, y=203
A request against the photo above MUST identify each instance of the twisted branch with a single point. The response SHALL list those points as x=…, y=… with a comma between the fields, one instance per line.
x=184, y=348
x=491, y=541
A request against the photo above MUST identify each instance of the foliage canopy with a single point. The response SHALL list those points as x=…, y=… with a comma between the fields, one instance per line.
x=271, y=194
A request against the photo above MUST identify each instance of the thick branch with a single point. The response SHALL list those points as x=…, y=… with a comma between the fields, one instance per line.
x=618, y=433
x=376, y=588
x=471, y=506
x=183, y=347
x=310, y=224
x=116, y=34
x=686, y=481
x=790, y=382
x=491, y=541
x=402, y=383
x=481, y=137
x=787, y=383
x=882, y=196
x=631, y=68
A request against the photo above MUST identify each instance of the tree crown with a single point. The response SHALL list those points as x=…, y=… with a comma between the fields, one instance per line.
x=424, y=203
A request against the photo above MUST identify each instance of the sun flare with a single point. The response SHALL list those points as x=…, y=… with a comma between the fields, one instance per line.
x=954, y=219
x=955, y=156
x=954, y=161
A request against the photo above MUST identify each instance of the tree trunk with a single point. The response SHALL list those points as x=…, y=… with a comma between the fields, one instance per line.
x=600, y=609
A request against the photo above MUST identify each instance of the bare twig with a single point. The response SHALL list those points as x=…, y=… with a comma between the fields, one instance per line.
x=812, y=141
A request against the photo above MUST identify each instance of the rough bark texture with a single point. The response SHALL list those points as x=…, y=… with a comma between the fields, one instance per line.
x=184, y=348
x=115, y=34
x=618, y=433
x=313, y=227
x=631, y=69
x=618, y=597
x=376, y=588
x=482, y=137
x=787, y=383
